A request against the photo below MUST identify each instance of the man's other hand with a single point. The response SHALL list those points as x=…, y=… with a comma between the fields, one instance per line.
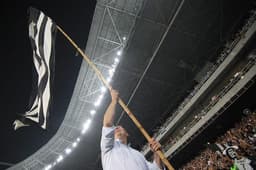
x=154, y=145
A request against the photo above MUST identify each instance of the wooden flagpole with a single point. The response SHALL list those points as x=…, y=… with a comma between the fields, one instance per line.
x=120, y=101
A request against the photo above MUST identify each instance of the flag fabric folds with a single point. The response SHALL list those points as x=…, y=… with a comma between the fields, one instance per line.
x=42, y=33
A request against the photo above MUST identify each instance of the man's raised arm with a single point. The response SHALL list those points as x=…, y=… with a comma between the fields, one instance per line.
x=110, y=112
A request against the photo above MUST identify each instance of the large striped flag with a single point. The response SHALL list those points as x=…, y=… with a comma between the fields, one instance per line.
x=42, y=33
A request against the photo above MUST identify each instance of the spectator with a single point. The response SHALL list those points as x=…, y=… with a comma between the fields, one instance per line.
x=236, y=149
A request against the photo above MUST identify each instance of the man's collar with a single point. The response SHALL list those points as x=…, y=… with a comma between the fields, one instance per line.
x=119, y=141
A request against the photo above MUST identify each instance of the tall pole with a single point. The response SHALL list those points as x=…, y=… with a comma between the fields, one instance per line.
x=120, y=101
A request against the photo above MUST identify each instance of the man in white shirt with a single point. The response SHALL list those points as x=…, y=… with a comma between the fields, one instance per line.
x=115, y=153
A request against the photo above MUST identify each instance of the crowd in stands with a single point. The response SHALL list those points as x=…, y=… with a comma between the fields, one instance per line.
x=202, y=110
x=235, y=150
x=225, y=51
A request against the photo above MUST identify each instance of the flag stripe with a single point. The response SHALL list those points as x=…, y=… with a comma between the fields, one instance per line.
x=39, y=23
x=47, y=52
x=34, y=109
x=43, y=76
x=45, y=80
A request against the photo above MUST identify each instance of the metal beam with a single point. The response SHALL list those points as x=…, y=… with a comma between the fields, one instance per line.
x=114, y=25
x=103, y=55
x=6, y=163
x=105, y=39
x=153, y=56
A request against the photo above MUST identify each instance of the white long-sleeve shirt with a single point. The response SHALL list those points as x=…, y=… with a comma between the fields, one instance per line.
x=118, y=156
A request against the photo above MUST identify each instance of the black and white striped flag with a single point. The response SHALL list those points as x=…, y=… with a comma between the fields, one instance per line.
x=42, y=33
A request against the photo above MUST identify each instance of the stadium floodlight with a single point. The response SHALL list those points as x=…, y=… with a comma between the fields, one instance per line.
x=103, y=89
x=74, y=144
x=119, y=52
x=68, y=150
x=92, y=112
x=60, y=158
x=86, y=125
x=48, y=167
x=111, y=72
x=101, y=96
x=116, y=60
x=108, y=79
x=97, y=103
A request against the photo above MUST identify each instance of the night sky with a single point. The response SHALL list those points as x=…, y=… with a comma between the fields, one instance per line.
x=16, y=70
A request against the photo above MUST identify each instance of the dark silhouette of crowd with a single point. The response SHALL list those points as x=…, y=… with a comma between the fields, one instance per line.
x=235, y=150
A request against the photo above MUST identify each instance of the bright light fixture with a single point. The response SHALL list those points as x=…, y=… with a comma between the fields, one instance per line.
x=74, y=144
x=78, y=139
x=103, y=89
x=111, y=72
x=60, y=158
x=97, y=103
x=48, y=167
x=68, y=150
x=101, y=96
x=116, y=60
x=108, y=79
x=86, y=125
x=124, y=38
x=92, y=112
x=119, y=52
